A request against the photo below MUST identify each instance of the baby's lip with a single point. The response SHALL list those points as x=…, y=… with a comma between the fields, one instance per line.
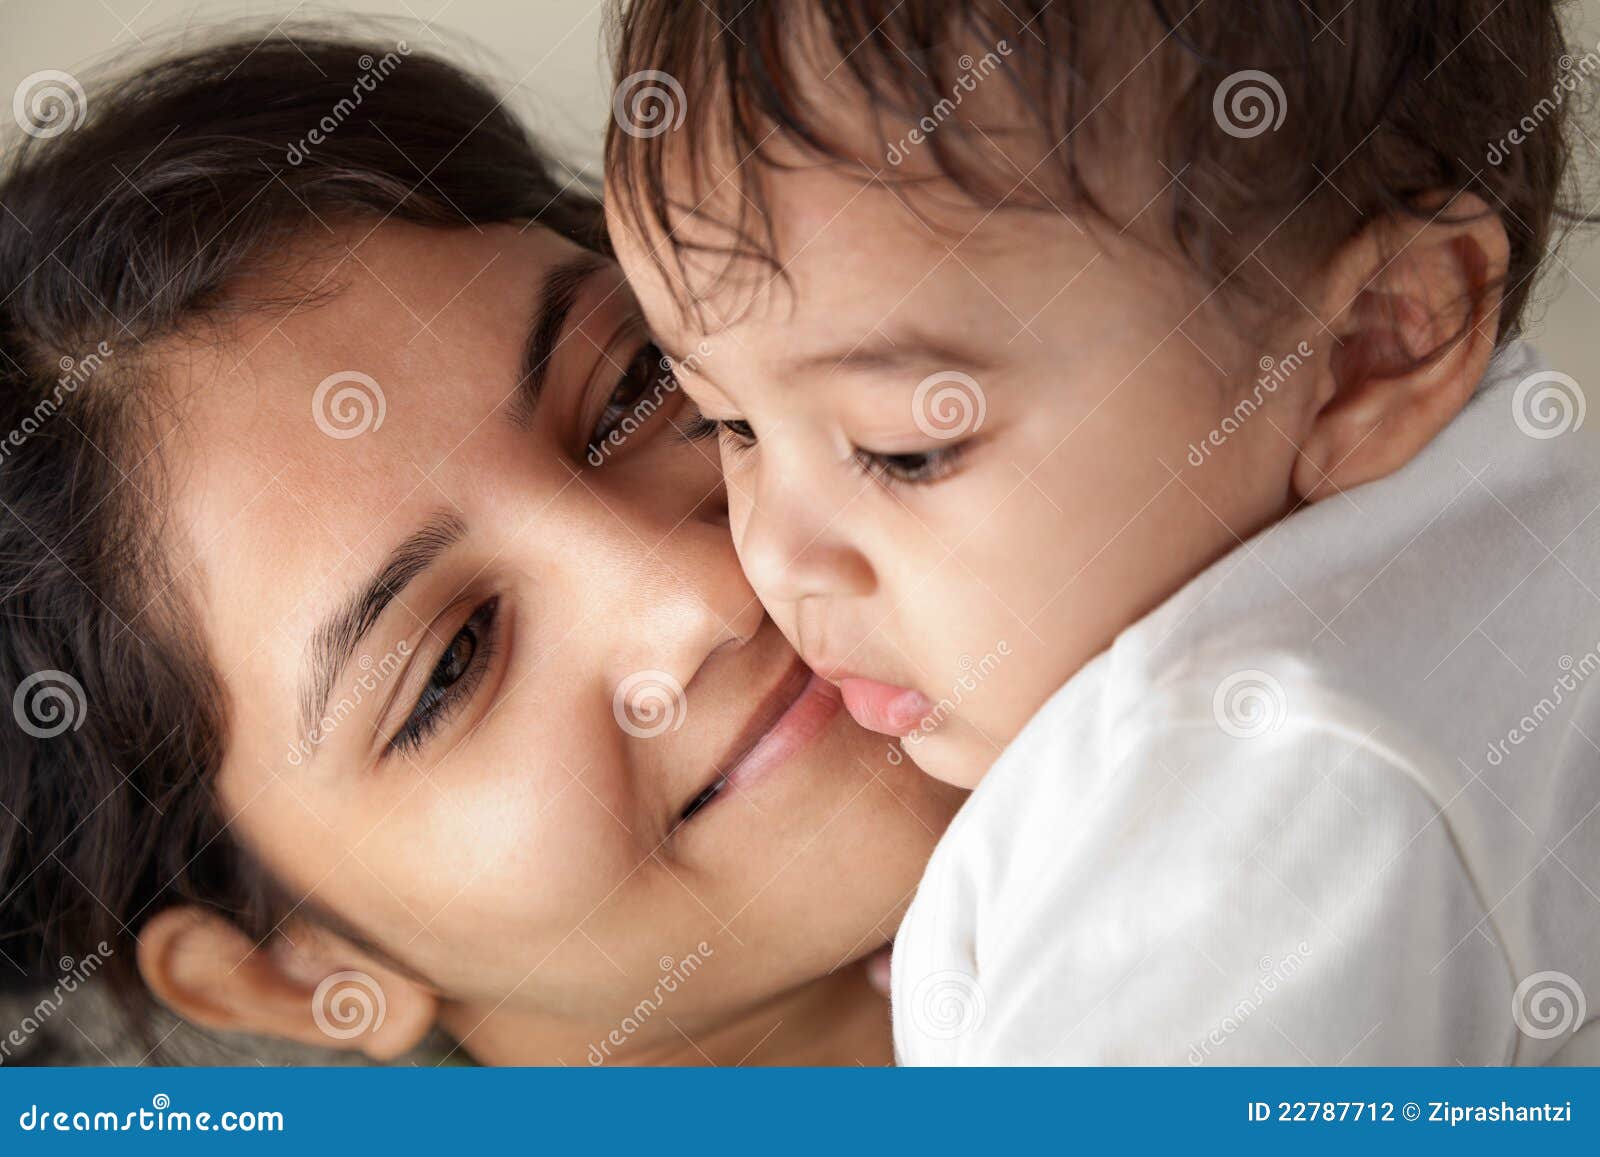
x=883, y=707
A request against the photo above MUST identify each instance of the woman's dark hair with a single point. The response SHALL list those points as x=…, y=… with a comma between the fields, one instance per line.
x=1381, y=102
x=136, y=225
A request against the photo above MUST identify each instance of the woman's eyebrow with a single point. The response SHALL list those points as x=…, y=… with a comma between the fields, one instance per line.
x=336, y=639
x=560, y=292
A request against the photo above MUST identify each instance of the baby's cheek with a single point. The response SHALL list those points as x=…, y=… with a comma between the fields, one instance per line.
x=992, y=665
x=738, y=471
x=739, y=507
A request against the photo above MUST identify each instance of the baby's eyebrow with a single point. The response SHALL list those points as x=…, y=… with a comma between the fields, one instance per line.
x=879, y=352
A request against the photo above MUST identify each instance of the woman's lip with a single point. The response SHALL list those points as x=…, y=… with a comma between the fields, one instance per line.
x=806, y=717
x=792, y=714
x=883, y=707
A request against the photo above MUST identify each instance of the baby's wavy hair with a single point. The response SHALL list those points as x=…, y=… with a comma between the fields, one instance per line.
x=1283, y=125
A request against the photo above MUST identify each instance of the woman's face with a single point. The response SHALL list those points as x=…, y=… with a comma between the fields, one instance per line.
x=452, y=625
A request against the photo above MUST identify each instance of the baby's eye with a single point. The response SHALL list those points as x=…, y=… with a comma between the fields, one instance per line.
x=911, y=469
x=739, y=434
x=702, y=427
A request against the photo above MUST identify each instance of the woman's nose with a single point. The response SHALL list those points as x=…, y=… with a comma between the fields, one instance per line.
x=686, y=596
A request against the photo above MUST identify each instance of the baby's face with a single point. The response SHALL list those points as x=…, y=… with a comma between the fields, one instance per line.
x=960, y=461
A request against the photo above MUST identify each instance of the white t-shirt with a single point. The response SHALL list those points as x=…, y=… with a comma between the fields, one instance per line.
x=1335, y=801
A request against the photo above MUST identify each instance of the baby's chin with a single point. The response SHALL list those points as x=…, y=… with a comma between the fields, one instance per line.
x=957, y=753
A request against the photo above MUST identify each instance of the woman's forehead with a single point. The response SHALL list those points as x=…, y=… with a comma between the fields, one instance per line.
x=301, y=443
x=408, y=341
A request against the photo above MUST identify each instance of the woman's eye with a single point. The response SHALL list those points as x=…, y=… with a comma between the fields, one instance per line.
x=638, y=394
x=452, y=679
x=911, y=469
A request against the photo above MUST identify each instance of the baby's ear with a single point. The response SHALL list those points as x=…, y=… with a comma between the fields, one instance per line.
x=309, y=986
x=1414, y=304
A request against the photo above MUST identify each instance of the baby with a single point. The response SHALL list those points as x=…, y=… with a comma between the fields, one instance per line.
x=1121, y=404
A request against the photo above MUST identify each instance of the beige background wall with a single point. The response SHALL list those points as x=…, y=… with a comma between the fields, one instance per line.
x=549, y=57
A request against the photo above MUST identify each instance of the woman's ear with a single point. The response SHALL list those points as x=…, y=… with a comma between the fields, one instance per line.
x=310, y=986
x=1401, y=289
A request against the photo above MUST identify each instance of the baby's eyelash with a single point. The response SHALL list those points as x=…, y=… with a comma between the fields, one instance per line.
x=741, y=437
x=915, y=469
x=698, y=428
x=922, y=469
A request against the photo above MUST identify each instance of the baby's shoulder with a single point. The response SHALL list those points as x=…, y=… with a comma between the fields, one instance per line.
x=1222, y=750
